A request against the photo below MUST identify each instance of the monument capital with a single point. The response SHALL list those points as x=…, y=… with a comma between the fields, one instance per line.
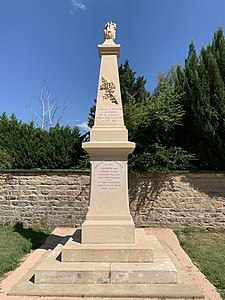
x=110, y=31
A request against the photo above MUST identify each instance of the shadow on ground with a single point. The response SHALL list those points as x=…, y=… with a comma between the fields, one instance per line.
x=39, y=238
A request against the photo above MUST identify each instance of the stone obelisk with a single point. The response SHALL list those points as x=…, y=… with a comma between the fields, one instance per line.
x=108, y=220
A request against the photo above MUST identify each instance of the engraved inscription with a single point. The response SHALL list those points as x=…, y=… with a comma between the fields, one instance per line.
x=108, y=176
x=109, y=88
x=110, y=115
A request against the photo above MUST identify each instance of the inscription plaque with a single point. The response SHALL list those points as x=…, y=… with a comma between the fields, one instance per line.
x=108, y=176
x=110, y=116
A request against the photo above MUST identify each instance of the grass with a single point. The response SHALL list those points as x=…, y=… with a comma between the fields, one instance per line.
x=207, y=251
x=17, y=241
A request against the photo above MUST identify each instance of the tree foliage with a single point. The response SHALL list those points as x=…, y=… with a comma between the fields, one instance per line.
x=131, y=87
x=24, y=146
x=202, y=82
x=151, y=121
x=178, y=126
x=5, y=159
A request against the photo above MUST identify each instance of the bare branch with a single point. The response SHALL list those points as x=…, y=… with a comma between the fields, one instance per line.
x=49, y=114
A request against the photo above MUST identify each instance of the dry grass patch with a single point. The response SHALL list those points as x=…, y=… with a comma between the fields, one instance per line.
x=207, y=250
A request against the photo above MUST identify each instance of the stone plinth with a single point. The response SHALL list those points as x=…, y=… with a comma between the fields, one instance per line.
x=108, y=232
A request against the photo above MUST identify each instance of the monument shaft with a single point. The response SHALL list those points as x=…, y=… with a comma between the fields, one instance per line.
x=108, y=220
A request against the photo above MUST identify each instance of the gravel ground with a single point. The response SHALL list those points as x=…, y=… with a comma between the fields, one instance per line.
x=163, y=234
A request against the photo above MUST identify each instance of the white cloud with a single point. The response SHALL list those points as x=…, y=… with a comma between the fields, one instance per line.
x=83, y=126
x=76, y=5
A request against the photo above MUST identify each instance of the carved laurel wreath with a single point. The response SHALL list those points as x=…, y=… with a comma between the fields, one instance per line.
x=109, y=88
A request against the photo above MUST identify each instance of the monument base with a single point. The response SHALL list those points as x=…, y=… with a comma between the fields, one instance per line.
x=162, y=278
x=108, y=232
x=107, y=264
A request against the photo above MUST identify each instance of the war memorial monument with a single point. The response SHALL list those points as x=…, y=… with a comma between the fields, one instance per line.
x=108, y=256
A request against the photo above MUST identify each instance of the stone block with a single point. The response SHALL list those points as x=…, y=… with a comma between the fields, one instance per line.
x=79, y=273
x=140, y=251
x=108, y=232
x=160, y=271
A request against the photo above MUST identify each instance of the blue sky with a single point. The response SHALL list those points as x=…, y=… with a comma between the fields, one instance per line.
x=56, y=41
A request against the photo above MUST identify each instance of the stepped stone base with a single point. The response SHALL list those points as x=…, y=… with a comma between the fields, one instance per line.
x=164, y=277
x=79, y=271
x=140, y=251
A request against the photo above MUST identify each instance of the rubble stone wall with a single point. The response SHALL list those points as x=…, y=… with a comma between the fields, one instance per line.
x=51, y=198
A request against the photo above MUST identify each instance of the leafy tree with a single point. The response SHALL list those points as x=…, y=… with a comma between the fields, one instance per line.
x=151, y=124
x=160, y=159
x=151, y=121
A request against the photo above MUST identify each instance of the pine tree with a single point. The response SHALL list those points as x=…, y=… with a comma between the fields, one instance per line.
x=127, y=82
x=218, y=49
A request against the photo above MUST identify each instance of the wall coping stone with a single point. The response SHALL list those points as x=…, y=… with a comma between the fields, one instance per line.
x=87, y=171
x=44, y=171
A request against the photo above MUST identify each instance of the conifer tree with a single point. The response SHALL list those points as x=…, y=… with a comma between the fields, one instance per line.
x=27, y=147
x=202, y=82
x=131, y=87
